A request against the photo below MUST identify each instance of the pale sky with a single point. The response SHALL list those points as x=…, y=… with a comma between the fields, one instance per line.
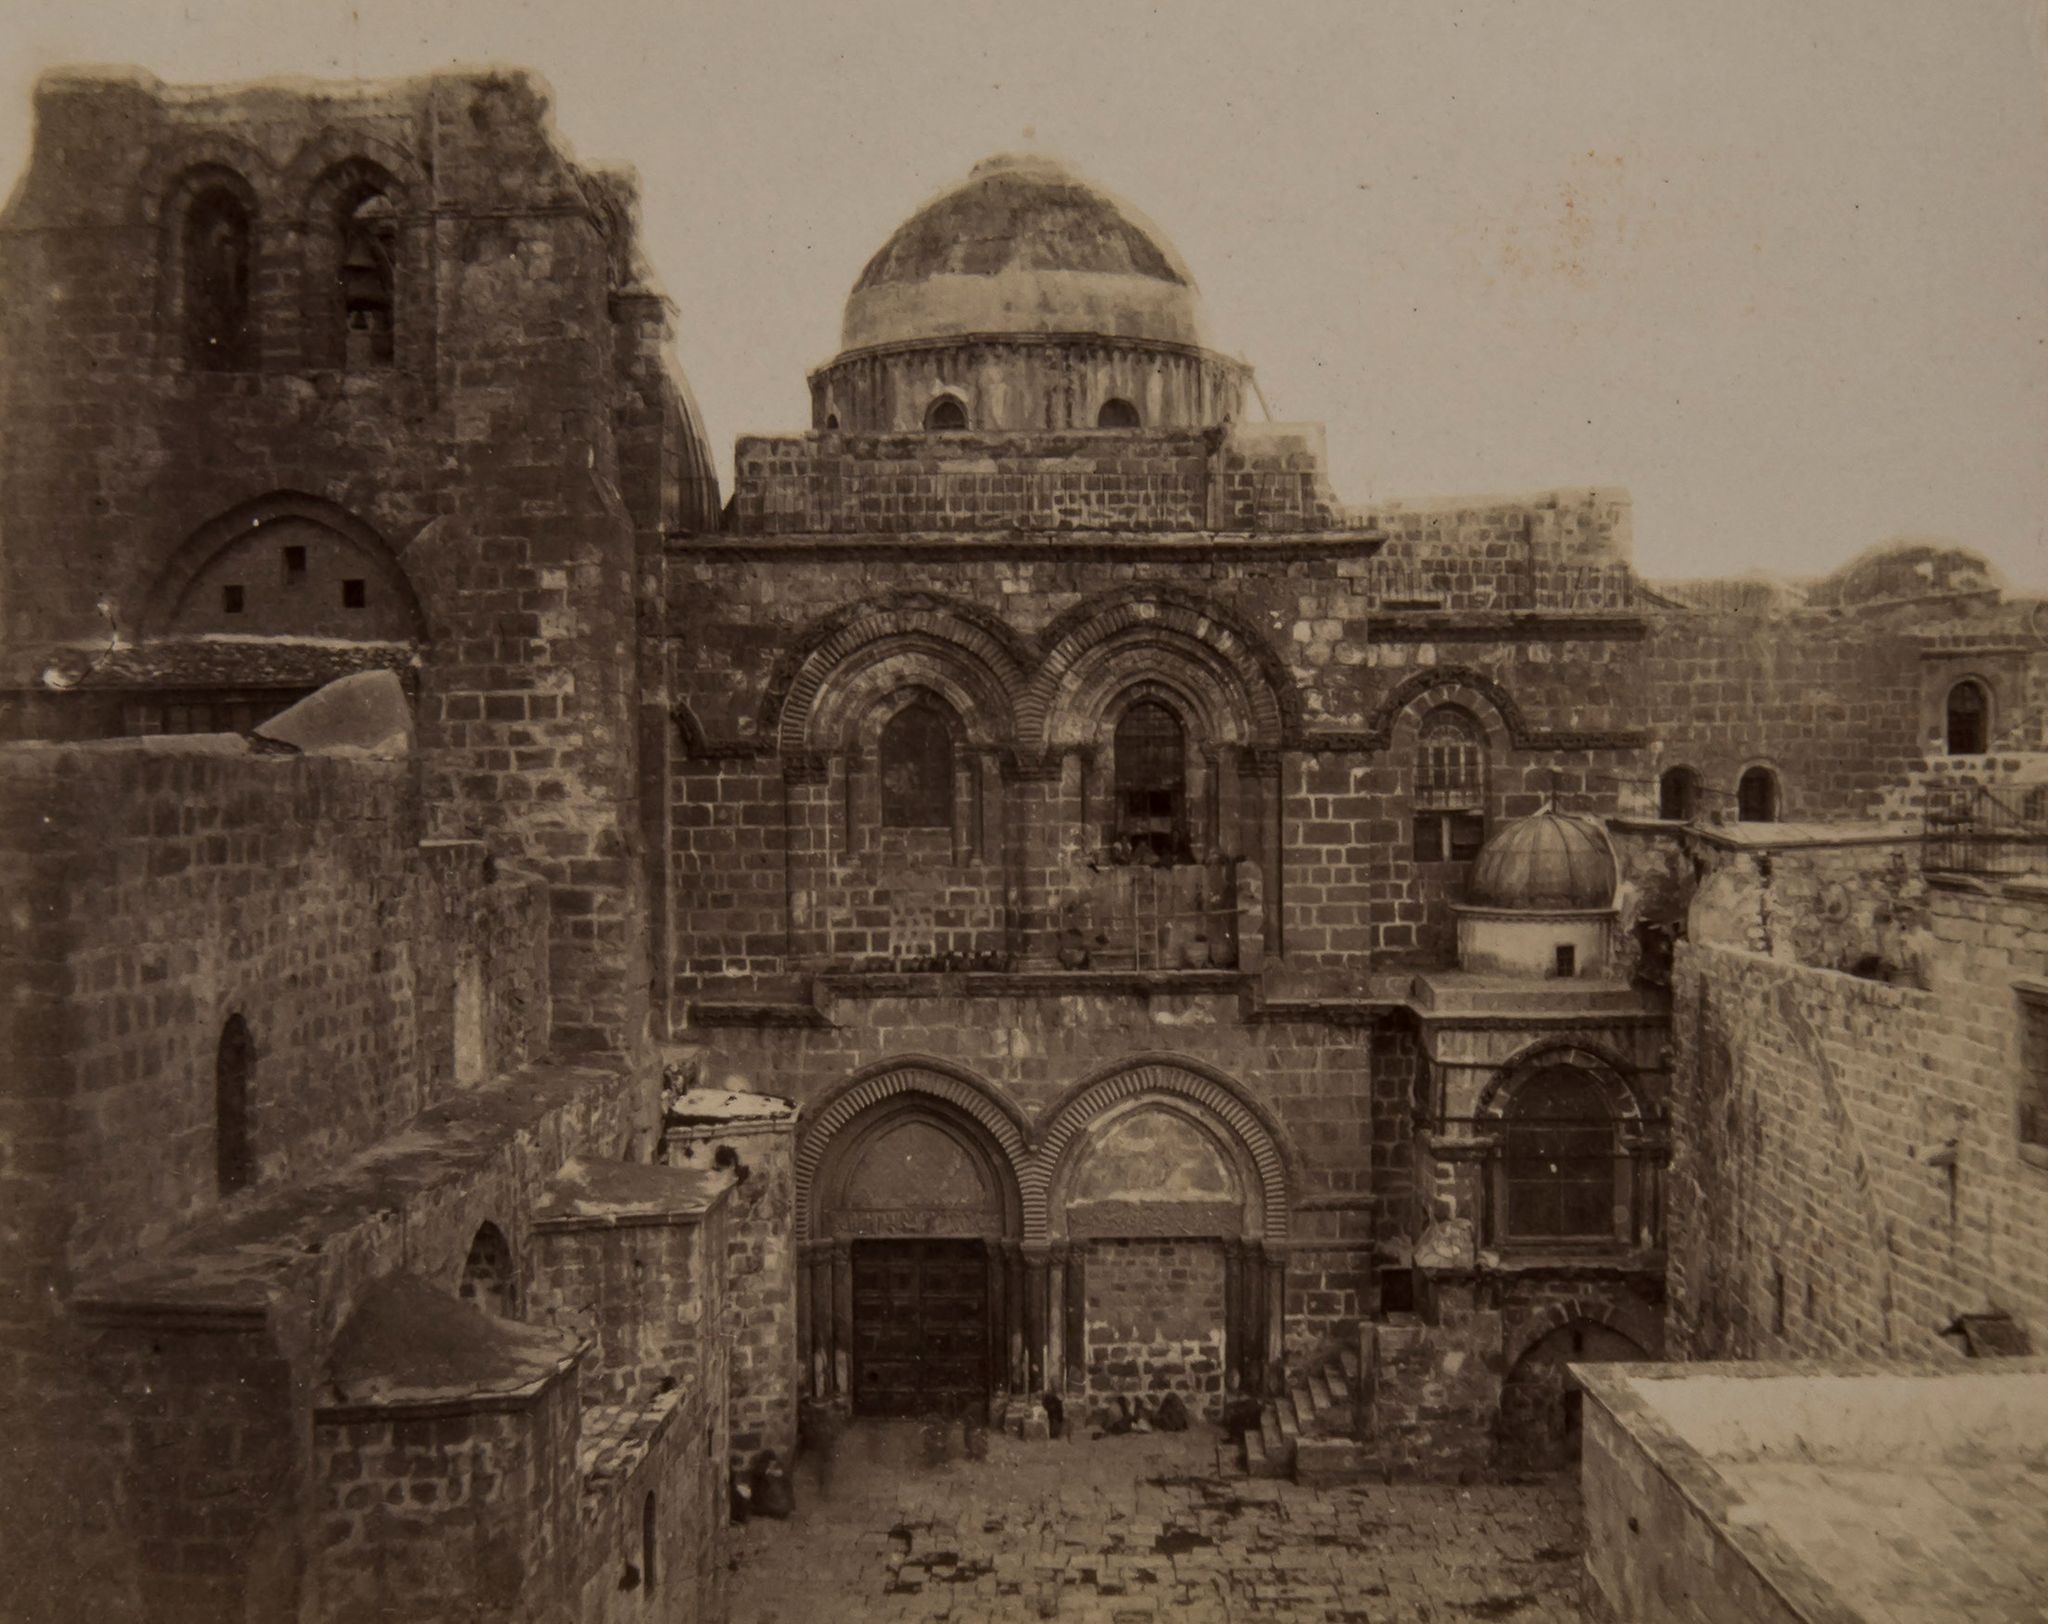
x=1778, y=267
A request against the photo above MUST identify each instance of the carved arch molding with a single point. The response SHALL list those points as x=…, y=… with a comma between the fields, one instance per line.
x=1030, y=1164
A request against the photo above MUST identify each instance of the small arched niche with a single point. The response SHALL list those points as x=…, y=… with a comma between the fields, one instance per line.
x=1117, y=414
x=1966, y=719
x=489, y=1278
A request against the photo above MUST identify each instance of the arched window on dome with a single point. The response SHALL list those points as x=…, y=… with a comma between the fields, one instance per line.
x=1756, y=796
x=916, y=751
x=1117, y=414
x=946, y=415
x=216, y=281
x=1151, y=760
x=1678, y=795
x=1559, y=1168
x=1450, y=787
x=1968, y=718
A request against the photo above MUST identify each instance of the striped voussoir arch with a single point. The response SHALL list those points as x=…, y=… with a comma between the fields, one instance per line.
x=901, y=1078
x=1072, y=1118
x=788, y=706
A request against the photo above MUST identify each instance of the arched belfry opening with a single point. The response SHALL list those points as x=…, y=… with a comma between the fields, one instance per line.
x=911, y=1282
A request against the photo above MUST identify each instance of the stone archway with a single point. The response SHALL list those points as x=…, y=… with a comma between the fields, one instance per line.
x=909, y=1223
x=1539, y=1425
x=1161, y=1194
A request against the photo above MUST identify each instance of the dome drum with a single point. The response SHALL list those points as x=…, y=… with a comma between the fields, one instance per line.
x=1540, y=900
x=1027, y=383
x=1038, y=299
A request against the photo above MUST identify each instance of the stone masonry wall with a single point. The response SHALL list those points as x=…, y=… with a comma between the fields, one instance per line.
x=1846, y=1176
x=1155, y=1322
x=172, y=883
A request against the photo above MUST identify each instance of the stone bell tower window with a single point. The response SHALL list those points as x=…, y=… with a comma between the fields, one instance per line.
x=217, y=281
x=368, y=282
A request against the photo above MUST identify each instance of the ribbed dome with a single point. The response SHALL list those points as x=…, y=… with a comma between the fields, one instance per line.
x=1023, y=245
x=1551, y=861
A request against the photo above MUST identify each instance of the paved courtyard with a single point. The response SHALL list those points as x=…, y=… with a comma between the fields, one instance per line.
x=1122, y=1530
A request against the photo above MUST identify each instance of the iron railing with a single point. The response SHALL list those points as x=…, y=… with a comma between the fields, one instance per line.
x=1973, y=831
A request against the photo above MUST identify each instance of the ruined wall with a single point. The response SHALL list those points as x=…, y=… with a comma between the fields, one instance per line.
x=474, y=481
x=1846, y=1176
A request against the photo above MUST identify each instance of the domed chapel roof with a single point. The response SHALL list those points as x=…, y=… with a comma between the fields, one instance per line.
x=1549, y=862
x=1023, y=245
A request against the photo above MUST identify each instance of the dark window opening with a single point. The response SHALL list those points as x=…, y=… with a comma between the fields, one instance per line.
x=488, y=1277
x=1969, y=717
x=294, y=563
x=647, y=1540
x=218, y=250
x=1151, y=781
x=2033, y=1102
x=1678, y=793
x=1117, y=414
x=946, y=413
x=1397, y=1291
x=1756, y=796
x=917, y=769
x=1560, y=1159
x=234, y=1154
x=1448, y=837
x=831, y=420
x=231, y=600
x=354, y=594
x=368, y=281
x=1567, y=959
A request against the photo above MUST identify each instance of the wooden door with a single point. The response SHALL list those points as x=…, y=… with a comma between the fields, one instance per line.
x=920, y=1328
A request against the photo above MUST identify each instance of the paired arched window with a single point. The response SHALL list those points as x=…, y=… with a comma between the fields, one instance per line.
x=488, y=1277
x=1117, y=414
x=234, y=1152
x=1151, y=752
x=947, y=413
x=1559, y=1181
x=1678, y=794
x=366, y=281
x=217, y=269
x=1968, y=718
x=1756, y=796
x=1450, y=787
x=916, y=750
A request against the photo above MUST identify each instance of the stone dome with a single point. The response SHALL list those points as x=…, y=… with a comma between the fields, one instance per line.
x=1023, y=245
x=1551, y=862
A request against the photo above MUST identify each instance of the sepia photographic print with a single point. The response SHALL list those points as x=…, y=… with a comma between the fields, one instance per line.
x=863, y=813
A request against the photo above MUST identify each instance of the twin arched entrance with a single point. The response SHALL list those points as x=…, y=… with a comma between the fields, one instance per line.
x=1132, y=1241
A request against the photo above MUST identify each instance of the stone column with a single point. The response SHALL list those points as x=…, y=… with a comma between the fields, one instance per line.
x=1056, y=1319
x=1036, y=1263
x=1274, y=1353
x=1233, y=1316
x=842, y=1318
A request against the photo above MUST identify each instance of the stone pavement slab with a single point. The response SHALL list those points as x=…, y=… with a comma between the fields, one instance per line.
x=1129, y=1529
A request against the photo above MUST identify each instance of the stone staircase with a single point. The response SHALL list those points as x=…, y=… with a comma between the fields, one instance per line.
x=1311, y=1433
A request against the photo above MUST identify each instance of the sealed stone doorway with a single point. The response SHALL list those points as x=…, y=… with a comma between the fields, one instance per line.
x=921, y=1328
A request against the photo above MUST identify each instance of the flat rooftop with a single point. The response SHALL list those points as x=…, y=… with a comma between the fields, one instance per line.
x=1891, y=1493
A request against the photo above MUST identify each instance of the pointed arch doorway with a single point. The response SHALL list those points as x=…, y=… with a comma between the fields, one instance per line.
x=911, y=1284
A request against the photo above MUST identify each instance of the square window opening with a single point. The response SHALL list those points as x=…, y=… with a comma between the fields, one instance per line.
x=231, y=600
x=354, y=594
x=294, y=563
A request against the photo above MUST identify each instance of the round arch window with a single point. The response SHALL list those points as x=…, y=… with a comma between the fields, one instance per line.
x=1756, y=796
x=1117, y=414
x=946, y=415
x=1968, y=718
